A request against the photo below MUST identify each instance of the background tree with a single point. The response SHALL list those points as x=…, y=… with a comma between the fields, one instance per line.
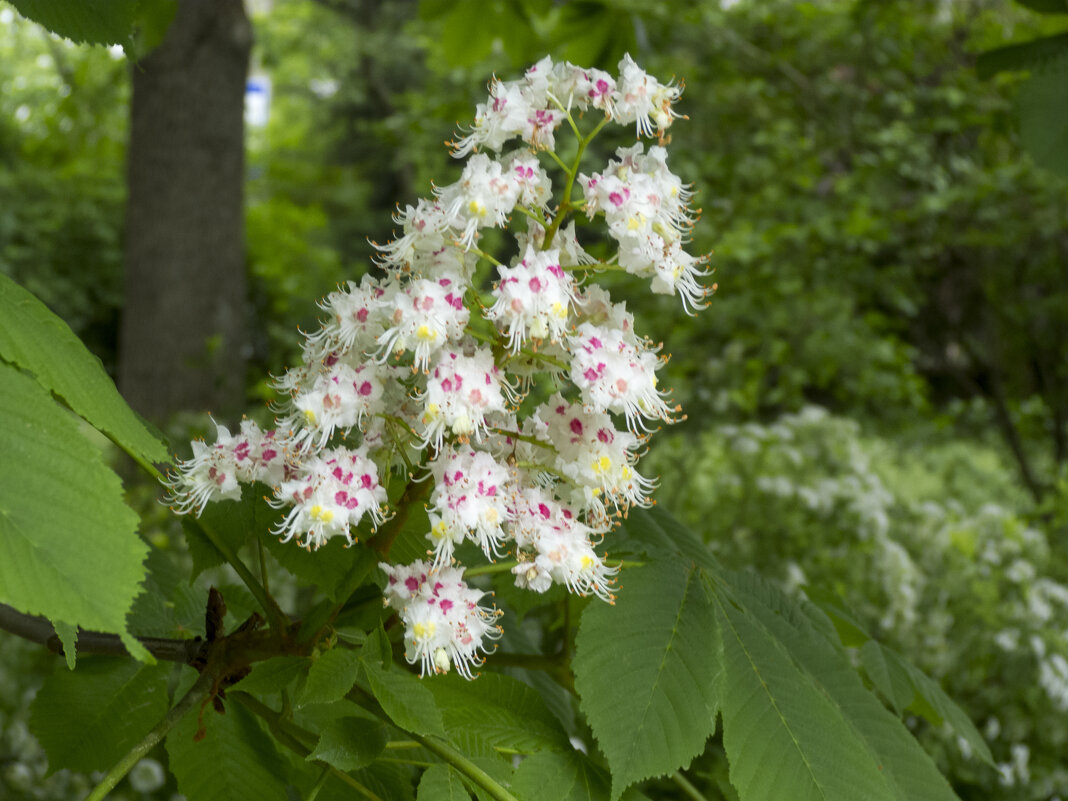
x=184, y=337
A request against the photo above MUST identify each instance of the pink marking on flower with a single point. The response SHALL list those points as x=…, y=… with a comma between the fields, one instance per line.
x=590, y=374
x=331, y=360
x=556, y=270
x=361, y=315
x=617, y=199
x=340, y=497
x=241, y=451
x=427, y=303
x=444, y=282
x=446, y=385
x=543, y=510
x=267, y=455
x=596, y=343
x=535, y=284
x=475, y=396
x=445, y=605
x=366, y=481
x=411, y=583
x=337, y=472
x=605, y=436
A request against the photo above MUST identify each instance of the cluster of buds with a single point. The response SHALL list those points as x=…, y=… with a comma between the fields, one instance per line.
x=429, y=371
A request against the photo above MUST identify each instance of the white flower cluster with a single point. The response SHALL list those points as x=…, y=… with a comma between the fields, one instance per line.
x=430, y=370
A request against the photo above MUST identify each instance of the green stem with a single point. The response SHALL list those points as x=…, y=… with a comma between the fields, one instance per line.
x=275, y=616
x=534, y=215
x=565, y=203
x=484, y=570
x=504, y=432
x=560, y=161
x=290, y=735
x=687, y=787
x=196, y=695
x=441, y=749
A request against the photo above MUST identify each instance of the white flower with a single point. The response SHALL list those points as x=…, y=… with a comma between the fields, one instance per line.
x=643, y=100
x=617, y=376
x=444, y=625
x=427, y=315
x=330, y=493
x=461, y=390
x=469, y=501
x=533, y=298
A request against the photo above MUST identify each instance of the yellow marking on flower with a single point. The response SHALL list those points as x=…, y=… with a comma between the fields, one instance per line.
x=587, y=562
x=439, y=530
x=317, y=512
x=424, y=631
x=477, y=208
x=491, y=515
x=433, y=412
x=559, y=311
x=626, y=472
x=633, y=224
x=426, y=333
x=602, y=465
x=309, y=415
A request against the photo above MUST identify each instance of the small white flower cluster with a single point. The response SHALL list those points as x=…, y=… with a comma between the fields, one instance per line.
x=428, y=370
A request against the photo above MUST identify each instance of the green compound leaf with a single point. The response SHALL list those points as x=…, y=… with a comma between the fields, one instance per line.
x=91, y=21
x=1033, y=55
x=797, y=720
x=497, y=710
x=35, y=339
x=646, y=671
x=69, y=548
x=403, y=697
x=331, y=676
x=441, y=783
x=908, y=687
x=87, y=719
x=350, y=743
x=1042, y=108
x=273, y=675
x=563, y=776
x=234, y=761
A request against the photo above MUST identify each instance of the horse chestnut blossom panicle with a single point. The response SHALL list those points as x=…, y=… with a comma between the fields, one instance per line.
x=422, y=373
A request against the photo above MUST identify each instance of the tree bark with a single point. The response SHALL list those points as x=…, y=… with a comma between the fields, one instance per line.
x=184, y=334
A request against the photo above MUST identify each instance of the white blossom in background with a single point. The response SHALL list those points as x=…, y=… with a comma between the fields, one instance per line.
x=421, y=372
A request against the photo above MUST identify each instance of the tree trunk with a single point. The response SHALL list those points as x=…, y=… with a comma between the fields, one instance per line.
x=183, y=341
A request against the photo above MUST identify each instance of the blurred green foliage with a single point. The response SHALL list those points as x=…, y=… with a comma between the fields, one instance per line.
x=883, y=248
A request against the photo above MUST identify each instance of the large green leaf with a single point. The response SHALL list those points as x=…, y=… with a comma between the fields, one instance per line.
x=793, y=701
x=87, y=719
x=235, y=760
x=92, y=21
x=1042, y=108
x=331, y=676
x=498, y=710
x=36, y=340
x=441, y=783
x=334, y=568
x=1046, y=6
x=403, y=697
x=563, y=776
x=69, y=548
x=647, y=669
x=1033, y=55
x=349, y=743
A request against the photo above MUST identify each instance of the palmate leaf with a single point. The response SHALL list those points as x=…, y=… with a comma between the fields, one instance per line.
x=349, y=743
x=564, y=776
x=797, y=720
x=404, y=698
x=646, y=671
x=235, y=760
x=36, y=340
x=86, y=720
x=498, y=709
x=1042, y=108
x=68, y=543
x=331, y=676
x=441, y=783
